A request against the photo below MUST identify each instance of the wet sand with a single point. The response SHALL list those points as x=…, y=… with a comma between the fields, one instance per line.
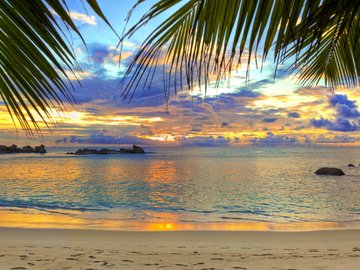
x=87, y=249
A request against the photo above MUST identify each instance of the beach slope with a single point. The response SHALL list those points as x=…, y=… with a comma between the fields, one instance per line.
x=86, y=249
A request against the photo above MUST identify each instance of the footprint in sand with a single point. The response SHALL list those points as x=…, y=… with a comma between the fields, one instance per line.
x=356, y=249
x=130, y=261
x=216, y=259
x=19, y=268
x=76, y=255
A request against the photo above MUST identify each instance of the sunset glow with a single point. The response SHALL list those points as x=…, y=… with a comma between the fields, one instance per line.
x=260, y=111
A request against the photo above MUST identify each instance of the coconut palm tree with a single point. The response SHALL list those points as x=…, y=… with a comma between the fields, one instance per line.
x=203, y=40
x=36, y=58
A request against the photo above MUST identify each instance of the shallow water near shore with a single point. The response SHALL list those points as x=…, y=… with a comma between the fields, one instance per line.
x=182, y=189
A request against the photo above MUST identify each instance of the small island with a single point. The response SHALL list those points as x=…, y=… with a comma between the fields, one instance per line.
x=105, y=151
x=13, y=149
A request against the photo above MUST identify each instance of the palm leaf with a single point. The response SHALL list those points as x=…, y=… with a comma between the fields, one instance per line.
x=207, y=39
x=34, y=57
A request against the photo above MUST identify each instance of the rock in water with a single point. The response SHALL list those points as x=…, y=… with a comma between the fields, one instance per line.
x=28, y=149
x=105, y=151
x=40, y=149
x=138, y=150
x=13, y=149
x=329, y=171
x=351, y=165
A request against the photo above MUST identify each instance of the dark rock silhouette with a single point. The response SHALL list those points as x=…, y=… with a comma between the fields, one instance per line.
x=329, y=171
x=137, y=149
x=351, y=165
x=40, y=149
x=105, y=151
x=28, y=149
x=13, y=149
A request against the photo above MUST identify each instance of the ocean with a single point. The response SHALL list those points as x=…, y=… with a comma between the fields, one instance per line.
x=200, y=188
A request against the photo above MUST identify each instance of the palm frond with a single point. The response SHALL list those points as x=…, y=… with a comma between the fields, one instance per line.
x=34, y=57
x=207, y=39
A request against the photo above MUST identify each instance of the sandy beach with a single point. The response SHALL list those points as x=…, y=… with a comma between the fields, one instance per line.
x=87, y=249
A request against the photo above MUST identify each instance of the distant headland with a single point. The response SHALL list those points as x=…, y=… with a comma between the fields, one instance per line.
x=13, y=149
x=105, y=151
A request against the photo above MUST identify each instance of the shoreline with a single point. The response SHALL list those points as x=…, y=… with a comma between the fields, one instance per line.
x=35, y=219
x=102, y=249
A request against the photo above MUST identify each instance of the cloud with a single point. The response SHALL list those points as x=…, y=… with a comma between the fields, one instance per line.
x=293, y=115
x=269, y=119
x=84, y=18
x=274, y=140
x=245, y=92
x=319, y=123
x=344, y=107
x=205, y=141
x=105, y=139
x=343, y=125
x=100, y=53
x=337, y=139
x=347, y=116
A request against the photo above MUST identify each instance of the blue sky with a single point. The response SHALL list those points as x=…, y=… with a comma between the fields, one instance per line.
x=260, y=112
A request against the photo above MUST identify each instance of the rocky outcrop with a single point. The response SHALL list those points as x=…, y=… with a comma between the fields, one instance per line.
x=40, y=149
x=13, y=149
x=137, y=149
x=329, y=171
x=105, y=151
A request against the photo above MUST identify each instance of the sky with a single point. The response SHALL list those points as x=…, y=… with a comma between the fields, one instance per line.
x=260, y=112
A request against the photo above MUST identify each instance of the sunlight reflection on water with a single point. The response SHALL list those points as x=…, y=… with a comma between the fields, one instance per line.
x=176, y=189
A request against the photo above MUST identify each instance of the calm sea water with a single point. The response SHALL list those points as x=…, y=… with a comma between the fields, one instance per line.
x=182, y=188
